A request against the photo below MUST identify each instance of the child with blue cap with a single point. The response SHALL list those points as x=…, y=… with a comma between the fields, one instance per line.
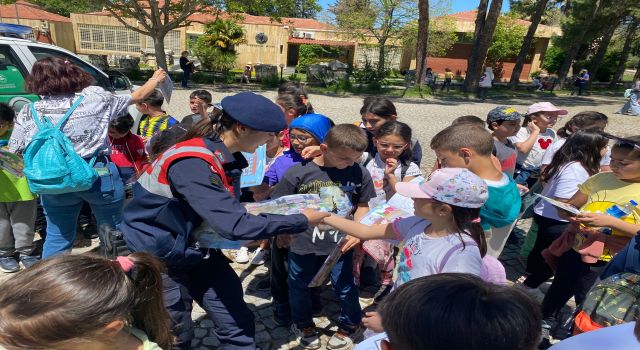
x=198, y=181
x=304, y=131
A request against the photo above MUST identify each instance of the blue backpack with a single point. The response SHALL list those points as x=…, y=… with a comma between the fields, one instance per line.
x=51, y=164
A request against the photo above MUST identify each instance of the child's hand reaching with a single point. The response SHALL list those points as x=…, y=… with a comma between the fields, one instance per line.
x=350, y=243
x=373, y=322
x=391, y=165
x=310, y=152
x=596, y=219
x=315, y=217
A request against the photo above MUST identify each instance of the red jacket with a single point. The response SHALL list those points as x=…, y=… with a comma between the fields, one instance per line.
x=128, y=152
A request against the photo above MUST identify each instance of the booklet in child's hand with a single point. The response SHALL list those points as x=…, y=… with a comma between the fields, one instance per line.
x=11, y=163
x=325, y=269
x=564, y=206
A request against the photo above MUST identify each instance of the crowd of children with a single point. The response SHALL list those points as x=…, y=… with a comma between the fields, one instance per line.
x=439, y=275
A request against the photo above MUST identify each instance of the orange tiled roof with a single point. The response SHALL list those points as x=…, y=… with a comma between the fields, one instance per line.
x=320, y=42
x=28, y=10
x=470, y=16
x=301, y=23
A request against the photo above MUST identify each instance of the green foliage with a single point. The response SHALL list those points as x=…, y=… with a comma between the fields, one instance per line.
x=553, y=59
x=224, y=34
x=312, y=54
x=606, y=69
x=275, y=8
x=369, y=75
x=442, y=35
x=63, y=7
x=507, y=39
x=270, y=81
x=216, y=47
x=294, y=77
x=524, y=9
x=535, y=73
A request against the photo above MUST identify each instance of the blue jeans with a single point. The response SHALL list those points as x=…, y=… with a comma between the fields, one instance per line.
x=62, y=210
x=523, y=176
x=302, y=268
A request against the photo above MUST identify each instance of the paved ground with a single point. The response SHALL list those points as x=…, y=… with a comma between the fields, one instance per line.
x=426, y=117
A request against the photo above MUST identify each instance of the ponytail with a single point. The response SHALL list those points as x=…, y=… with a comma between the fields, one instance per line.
x=468, y=221
x=67, y=300
x=149, y=313
x=582, y=121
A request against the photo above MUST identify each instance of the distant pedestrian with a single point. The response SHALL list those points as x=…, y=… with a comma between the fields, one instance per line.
x=633, y=103
x=486, y=81
x=246, y=75
x=448, y=78
x=581, y=82
x=187, y=68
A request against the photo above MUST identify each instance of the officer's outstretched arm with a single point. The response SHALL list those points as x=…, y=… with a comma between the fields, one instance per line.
x=192, y=180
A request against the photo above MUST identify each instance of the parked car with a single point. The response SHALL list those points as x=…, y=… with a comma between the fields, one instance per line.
x=17, y=57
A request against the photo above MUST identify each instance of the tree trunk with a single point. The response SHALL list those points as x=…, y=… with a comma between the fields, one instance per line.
x=423, y=40
x=481, y=18
x=626, y=49
x=602, y=50
x=161, y=57
x=575, y=46
x=381, y=58
x=526, y=43
x=475, y=71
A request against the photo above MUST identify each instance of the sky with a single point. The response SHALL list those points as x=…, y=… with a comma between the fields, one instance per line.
x=457, y=5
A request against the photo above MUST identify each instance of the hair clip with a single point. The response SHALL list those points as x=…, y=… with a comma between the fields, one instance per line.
x=476, y=221
x=125, y=263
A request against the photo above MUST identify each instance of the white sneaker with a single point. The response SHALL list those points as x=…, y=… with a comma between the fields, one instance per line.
x=243, y=255
x=258, y=256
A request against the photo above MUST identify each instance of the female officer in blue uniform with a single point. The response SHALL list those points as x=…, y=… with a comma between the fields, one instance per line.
x=197, y=181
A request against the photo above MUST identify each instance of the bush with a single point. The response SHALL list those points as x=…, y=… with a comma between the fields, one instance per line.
x=294, y=77
x=553, y=59
x=535, y=73
x=368, y=74
x=212, y=58
x=312, y=54
x=270, y=81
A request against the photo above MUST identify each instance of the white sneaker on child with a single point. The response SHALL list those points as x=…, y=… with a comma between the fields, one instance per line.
x=258, y=256
x=243, y=255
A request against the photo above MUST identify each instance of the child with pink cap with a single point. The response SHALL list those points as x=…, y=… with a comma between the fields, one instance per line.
x=444, y=235
x=533, y=139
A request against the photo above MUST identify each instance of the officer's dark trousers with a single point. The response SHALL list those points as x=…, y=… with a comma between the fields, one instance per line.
x=216, y=288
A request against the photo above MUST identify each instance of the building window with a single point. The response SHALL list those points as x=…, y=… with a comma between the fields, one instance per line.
x=171, y=42
x=108, y=38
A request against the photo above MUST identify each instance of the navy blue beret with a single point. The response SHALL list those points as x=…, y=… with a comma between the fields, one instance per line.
x=254, y=111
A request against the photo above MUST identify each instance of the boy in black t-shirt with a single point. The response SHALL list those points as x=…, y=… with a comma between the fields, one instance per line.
x=336, y=167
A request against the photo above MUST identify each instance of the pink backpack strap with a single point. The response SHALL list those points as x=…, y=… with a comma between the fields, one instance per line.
x=450, y=252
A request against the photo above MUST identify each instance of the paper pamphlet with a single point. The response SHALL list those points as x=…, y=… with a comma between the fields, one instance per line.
x=383, y=213
x=372, y=343
x=564, y=206
x=166, y=88
x=11, y=163
x=206, y=237
x=328, y=265
x=253, y=174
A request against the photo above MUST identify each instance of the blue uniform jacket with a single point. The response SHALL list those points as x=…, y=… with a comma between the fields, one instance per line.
x=161, y=226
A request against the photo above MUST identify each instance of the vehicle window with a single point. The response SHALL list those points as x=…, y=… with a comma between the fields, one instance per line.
x=101, y=80
x=12, y=72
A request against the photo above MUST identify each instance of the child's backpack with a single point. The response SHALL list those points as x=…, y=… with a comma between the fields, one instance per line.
x=614, y=300
x=492, y=269
x=51, y=164
x=627, y=93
